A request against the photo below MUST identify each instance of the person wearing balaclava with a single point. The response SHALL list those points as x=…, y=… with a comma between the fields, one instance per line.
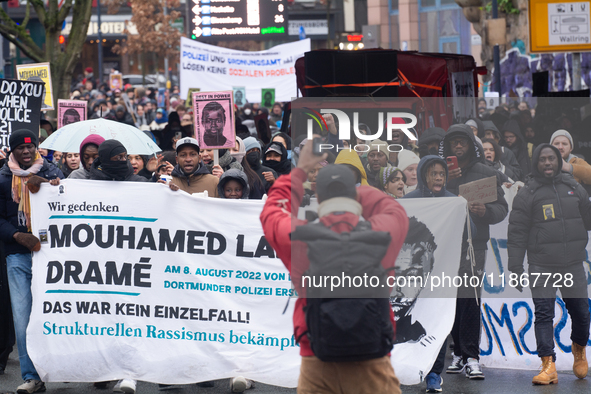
x=256, y=186
x=284, y=140
x=112, y=164
x=276, y=158
x=253, y=157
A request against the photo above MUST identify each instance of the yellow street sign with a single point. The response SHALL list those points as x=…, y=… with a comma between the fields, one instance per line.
x=556, y=26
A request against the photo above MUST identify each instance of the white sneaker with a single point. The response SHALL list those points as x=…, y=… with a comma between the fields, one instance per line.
x=125, y=386
x=473, y=370
x=239, y=384
x=31, y=386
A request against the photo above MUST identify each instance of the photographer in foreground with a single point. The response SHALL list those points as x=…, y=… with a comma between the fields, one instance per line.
x=342, y=210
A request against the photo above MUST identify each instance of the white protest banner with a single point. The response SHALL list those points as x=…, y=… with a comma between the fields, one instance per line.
x=125, y=287
x=212, y=68
x=508, y=337
x=483, y=190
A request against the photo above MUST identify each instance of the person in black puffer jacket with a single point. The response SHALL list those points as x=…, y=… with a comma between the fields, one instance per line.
x=24, y=171
x=549, y=220
x=459, y=141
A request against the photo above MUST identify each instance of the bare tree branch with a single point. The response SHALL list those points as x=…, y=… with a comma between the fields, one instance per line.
x=39, y=10
x=64, y=11
x=26, y=50
x=27, y=15
x=18, y=35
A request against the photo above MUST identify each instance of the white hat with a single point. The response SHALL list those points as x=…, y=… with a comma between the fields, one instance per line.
x=187, y=141
x=407, y=158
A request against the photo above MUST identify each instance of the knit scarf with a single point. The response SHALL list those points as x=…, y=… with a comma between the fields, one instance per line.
x=20, y=194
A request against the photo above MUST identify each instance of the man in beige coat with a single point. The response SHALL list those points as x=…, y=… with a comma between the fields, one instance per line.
x=190, y=175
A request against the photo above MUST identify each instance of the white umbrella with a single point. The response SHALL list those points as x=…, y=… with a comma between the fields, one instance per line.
x=69, y=138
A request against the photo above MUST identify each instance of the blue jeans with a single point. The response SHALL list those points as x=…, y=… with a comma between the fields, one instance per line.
x=19, y=280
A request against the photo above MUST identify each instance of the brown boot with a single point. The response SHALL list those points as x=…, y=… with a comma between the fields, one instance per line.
x=580, y=366
x=548, y=374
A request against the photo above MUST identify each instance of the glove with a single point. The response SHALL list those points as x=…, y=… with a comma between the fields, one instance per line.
x=34, y=183
x=29, y=241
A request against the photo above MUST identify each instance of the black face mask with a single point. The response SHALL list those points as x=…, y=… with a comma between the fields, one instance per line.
x=118, y=170
x=253, y=158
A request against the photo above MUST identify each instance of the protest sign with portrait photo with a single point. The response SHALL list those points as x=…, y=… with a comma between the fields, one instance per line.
x=116, y=81
x=38, y=72
x=214, y=119
x=267, y=98
x=239, y=96
x=20, y=107
x=70, y=111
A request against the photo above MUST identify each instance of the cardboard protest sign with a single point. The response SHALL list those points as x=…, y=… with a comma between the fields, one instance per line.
x=115, y=81
x=214, y=119
x=129, y=105
x=239, y=96
x=190, y=95
x=20, y=107
x=70, y=111
x=38, y=72
x=267, y=98
x=482, y=190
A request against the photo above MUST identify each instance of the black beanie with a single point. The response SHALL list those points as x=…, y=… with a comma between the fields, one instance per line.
x=110, y=148
x=22, y=136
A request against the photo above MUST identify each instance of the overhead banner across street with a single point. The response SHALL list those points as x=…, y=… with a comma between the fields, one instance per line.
x=212, y=68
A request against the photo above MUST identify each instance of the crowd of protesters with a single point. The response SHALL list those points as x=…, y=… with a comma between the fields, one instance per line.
x=506, y=143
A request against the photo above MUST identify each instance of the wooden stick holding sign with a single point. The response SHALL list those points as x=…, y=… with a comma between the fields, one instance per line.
x=483, y=190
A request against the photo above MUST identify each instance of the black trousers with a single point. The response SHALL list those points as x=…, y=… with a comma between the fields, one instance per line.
x=467, y=325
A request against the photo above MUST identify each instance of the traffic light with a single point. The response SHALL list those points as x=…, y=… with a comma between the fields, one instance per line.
x=62, y=41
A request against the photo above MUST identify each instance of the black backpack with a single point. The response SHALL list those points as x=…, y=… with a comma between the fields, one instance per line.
x=352, y=323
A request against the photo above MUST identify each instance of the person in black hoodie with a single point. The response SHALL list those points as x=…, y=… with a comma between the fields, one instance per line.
x=253, y=157
x=276, y=158
x=429, y=141
x=549, y=220
x=123, y=116
x=515, y=141
x=460, y=142
x=492, y=153
x=507, y=158
x=112, y=164
x=432, y=177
